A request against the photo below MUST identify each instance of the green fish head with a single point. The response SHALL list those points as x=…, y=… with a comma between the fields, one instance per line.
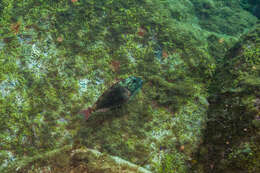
x=133, y=84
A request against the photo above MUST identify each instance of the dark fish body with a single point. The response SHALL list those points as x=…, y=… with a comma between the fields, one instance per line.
x=118, y=94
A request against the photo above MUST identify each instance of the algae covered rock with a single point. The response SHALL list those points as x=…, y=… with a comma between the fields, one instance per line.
x=57, y=57
x=69, y=160
x=232, y=135
x=98, y=162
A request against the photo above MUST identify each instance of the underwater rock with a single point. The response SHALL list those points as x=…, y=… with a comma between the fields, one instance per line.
x=253, y=6
x=69, y=160
x=96, y=161
x=234, y=108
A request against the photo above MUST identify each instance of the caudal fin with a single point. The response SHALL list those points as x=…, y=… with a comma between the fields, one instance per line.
x=87, y=112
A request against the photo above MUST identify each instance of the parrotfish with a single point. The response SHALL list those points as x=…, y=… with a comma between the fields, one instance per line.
x=117, y=95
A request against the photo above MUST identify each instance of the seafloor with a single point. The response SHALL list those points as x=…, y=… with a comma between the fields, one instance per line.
x=198, y=110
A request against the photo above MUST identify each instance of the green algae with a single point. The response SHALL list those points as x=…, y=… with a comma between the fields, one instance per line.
x=71, y=42
x=231, y=136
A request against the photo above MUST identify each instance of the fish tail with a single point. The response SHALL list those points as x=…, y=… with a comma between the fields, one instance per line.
x=87, y=112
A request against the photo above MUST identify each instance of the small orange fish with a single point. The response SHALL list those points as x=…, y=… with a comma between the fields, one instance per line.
x=165, y=54
x=115, y=65
x=15, y=27
x=59, y=39
x=182, y=148
x=141, y=32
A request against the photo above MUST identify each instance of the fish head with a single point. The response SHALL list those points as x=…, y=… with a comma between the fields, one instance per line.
x=132, y=84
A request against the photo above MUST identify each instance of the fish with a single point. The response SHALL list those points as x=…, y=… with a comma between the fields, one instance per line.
x=117, y=95
x=141, y=32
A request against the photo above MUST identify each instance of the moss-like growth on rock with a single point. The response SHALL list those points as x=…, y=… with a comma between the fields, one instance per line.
x=58, y=57
x=231, y=137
